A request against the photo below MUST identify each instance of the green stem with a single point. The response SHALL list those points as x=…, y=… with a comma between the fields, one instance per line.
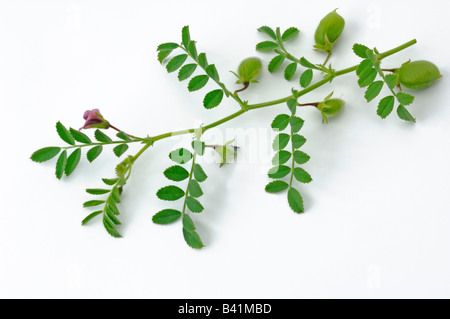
x=107, y=143
x=328, y=58
x=397, y=49
x=138, y=154
x=325, y=80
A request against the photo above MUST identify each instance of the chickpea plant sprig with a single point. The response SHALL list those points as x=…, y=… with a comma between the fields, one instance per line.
x=186, y=174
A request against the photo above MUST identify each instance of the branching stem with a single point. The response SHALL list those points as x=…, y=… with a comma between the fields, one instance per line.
x=328, y=78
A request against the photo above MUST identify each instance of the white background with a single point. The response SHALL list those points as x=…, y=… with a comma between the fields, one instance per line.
x=378, y=215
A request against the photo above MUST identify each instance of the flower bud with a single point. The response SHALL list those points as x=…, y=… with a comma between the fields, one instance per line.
x=249, y=70
x=418, y=75
x=94, y=120
x=328, y=32
x=331, y=108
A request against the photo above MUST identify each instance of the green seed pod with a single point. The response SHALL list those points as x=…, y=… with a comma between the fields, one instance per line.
x=418, y=75
x=249, y=70
x=331, y=108
x=329, y=31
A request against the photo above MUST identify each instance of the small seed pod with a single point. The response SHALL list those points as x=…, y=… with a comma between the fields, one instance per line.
x=330, y=108
x=249, y=70
x=328, y=32
x=418, y=75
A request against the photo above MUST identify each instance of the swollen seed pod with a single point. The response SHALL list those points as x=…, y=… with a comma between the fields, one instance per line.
x=418, y=75
x=331, y=108
x=249, y=70
x=329, y=31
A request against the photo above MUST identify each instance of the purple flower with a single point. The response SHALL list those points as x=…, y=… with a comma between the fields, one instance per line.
x=94, y=120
